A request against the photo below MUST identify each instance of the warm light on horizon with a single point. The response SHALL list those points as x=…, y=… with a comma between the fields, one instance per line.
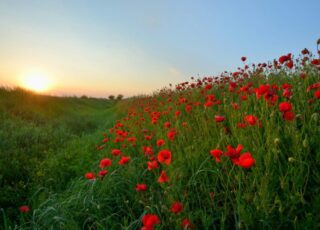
x=36, y=81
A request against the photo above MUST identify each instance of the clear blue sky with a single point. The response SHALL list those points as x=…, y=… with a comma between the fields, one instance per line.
x=108, y=47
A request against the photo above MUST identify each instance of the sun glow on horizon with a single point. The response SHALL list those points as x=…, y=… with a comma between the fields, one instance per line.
x=36, y=81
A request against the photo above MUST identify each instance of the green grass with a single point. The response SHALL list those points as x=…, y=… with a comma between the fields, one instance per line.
x=45, y=142
x=280, y=191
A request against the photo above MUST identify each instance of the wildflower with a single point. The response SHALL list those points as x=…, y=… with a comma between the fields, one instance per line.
x=124, y=160
x=24, y=208
x=246, y=160
x=102, y=173
x=163, y=177
x=176, y=207
x=164, y=156
x=186, y=223
x=90, y=176
x=160, y=142
x=243, y=59
x=288, y=115
x=149, y=220
x=115, y=152
x=106, y=162
x=216, y=153
x=234, y=152
x=152, y=164
x=218, y=118
x=141, y=187
x=251, y=120
x=285, y=106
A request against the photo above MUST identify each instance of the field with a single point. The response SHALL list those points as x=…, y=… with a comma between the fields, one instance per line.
x=237, y=151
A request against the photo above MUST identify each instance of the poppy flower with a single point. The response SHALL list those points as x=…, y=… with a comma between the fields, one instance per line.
x=141, y=187
x=186, y=223
x=90, y=176
x=243, y=59
x=124, y=160
x=216, y=153
x=102, y=173
x=290, y=64
x=24, y=208
x=317, y=94
x=160, y=142
x=115, y=152
x=251, y=119
x=289, y=116
x=176, y=207
x=164, y=156
x=246, y=160
x=219, y=118
x=234, y=152
x=171, y=134
x=149, y=220
x=167, y=124
x=208, y=104
x=285, y=106
x=106, y=162
x=163, y=177
x=152, y=164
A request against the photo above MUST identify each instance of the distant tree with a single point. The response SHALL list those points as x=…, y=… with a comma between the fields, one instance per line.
x=84, y=97
x=111, y=97
x=119, y=97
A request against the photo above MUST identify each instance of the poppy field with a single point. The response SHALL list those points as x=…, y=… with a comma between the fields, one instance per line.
x=236, y=151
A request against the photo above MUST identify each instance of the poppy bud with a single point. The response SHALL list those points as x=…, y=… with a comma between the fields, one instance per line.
x=291, y=159
x=315, y=117
x=276, y=141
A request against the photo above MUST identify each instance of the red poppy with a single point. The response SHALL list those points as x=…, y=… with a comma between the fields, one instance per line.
x=164, y=156
x=115, y=152
x=149, y=220
x=246, y=160
x=171, y=134
x=289, y=64
x=167, y=124
x=186, y=223
x=160, y=142
x=315, y=62
x=208, y=104
x=289, y=116
x=90, y=176
x=163, y=177
x=102, y=173
x=219, y=118
x=243, y=59
x=234, y=152
x=251, y=119
x=188, y=108
x=106, y=162
x=141, y=187
x=152, y=164
x=124, y=160
x=216, y=153
x=317, y=94
x=285, y=106
x=176, y=207
x=24, y=208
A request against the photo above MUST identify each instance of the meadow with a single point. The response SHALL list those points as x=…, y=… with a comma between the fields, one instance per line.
x=45, y=142
x=237, y=151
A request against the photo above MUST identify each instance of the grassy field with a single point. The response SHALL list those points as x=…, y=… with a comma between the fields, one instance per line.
x=238, y=151
x=45, y=142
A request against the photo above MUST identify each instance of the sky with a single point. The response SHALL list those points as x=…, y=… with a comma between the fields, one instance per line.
x=98, y=48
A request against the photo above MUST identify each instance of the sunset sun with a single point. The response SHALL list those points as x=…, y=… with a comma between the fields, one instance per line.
x=38, y=82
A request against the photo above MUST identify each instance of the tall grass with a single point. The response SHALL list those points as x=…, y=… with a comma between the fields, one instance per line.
x=277, y=187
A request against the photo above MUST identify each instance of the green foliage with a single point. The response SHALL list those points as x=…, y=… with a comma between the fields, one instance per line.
x=45, y=142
